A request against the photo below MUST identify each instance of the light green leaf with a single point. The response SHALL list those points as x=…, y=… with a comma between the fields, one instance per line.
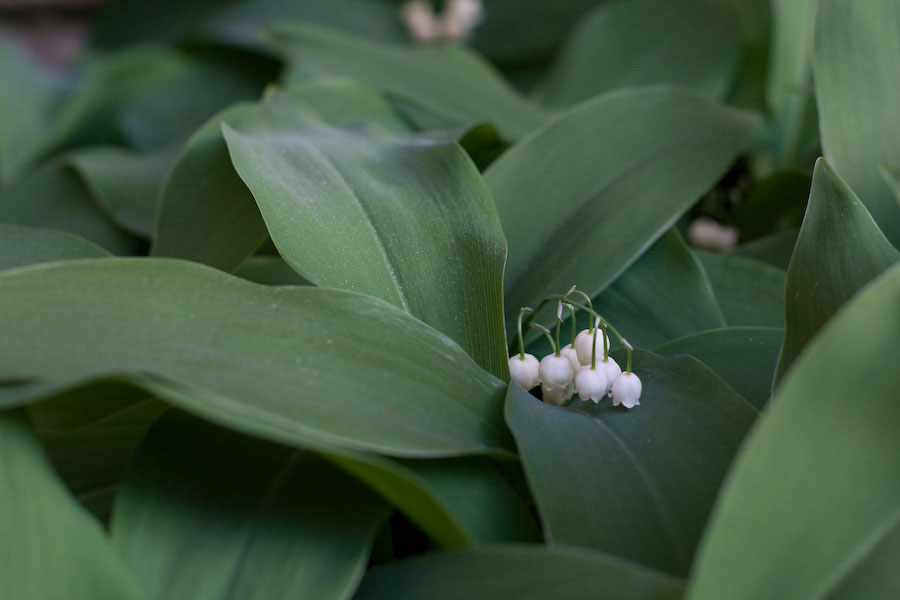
x=124, y=183
x=205, y=513
x=750, y=293
x=206, y=213
x=583, y=197
x=744, y=357
x=839, y=250
x=50, y=548
x=692, y=43
x=456, y=501
x=20, y=246
x=517, y=571
x=55, y=197
x=299, y=365
x=407, y=220
x=811, y=508
x=789, y=89
x=637, y=484
x=449, y=81
x=90, y=435
x=857, y=70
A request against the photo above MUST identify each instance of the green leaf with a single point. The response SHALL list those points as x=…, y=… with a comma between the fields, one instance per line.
x=692, y=43
x=774, y=204
x=583, y=197
x=789, y=89
x=269, y=270
x=839, y=250
x=50, y=547
x=456, y=501
x=774, y=249
x=810, y=509
x=90, y=435
x=517, y=571
x=206, y=213
x=750, y=293
x=55, y=197
x=205, y=513
x=404, y=219
x=637, y=484
x=123, y=182
x=20, y=246
x=857, y=69
x=450, y=81
x=744, y=357
x=298, y=365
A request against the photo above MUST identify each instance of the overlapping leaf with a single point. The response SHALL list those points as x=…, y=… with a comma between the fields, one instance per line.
x=20, y=246
x=750, y=292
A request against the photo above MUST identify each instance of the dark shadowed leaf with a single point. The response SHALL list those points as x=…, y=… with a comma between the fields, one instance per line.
x=300, y=365
x=406, y=219
x=583, y=197
x=750, y=293
x=744, y=357
x=774, y=249
x=857, y=69
x=206, y=513
x=518, y=571
x=637, y=484
x=810, y=509
x=839, y=250
x=50, y=547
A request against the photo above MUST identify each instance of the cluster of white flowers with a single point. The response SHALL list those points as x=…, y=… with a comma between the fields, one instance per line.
x=455, y=24
x=583, y=366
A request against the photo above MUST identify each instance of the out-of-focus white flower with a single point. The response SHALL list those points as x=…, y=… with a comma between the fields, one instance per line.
x=626, y=390
x=584, y=342
x=708, y=234
x=591, y=383
x=569, y=352
x=525, y=372
x=460, y=18
x=612, y=369
x=557, y=379
x=421, y=23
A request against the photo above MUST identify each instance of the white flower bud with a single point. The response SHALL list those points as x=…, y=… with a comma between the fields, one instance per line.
x=591, y=383
x=584, y=341
x=612, y=369
x=557, y=379
x=626, y=390
x=525, y=372
x=570, y=353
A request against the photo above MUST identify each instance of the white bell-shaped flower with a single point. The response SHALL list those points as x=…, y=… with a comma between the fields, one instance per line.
x=557, y=379
x=626, y=390
x=612, y=369
x=584, y=342
x=525, y=371
x=569, y=352
x=591, y=384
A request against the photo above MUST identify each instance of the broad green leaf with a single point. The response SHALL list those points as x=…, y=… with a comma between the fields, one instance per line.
x=269, y=270
x=774, y=249
x=20, y=246
x=692, y=43
x=839, y=250
x=205, y=513
x=811, y=509
x=774, y=204
x=583, y=197
x=517, y=571
x=90, y=435
x=750, y=293
x=449, y=80
x=456, y=501
x=55, y=197
x=744, y=357
x=206, y=213
x=27, y=98
x=789, y=89
x=404, y=219
x=857, y=70
x=50, y=548
x=299, y=365
x=637, y=484
x=123, y=182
